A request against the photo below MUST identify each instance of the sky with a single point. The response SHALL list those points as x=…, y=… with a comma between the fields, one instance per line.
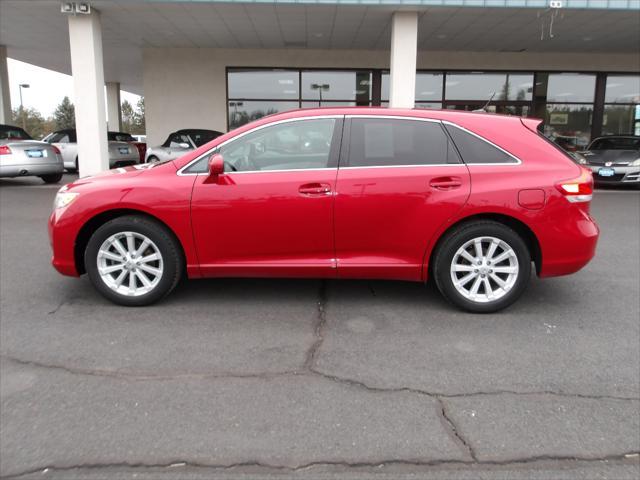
x=47, y=88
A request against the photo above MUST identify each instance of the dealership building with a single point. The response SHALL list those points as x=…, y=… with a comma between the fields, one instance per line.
x=218, y=64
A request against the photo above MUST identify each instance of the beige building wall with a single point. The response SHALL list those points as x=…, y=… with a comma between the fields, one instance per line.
x=186, y=87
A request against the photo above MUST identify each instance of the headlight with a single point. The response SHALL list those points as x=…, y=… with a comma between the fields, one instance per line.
x=64, y=199
x=635, y=163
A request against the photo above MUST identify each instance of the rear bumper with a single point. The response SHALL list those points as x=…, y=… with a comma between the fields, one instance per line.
x=31, y=170
x=568, y=245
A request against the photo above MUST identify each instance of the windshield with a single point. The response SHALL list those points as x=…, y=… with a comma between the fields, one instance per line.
x=200, y=138
x=616, y=143
x=13, y=133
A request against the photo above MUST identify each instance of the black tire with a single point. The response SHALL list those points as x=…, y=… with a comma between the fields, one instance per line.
x=53, y=178
x=152, y=159
x=455, y=239
x=173, y=261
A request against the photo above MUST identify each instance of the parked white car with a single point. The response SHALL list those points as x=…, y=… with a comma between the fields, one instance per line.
x=22, y=156
x=121, y=154
x=179, y=143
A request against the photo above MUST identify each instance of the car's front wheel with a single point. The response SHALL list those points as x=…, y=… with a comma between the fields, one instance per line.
x=133, y=260
x=482, y=267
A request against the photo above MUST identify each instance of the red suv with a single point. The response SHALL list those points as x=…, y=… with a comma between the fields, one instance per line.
x=467, y=199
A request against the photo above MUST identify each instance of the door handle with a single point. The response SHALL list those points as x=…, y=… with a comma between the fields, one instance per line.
x=445, y=183
x=315, y=189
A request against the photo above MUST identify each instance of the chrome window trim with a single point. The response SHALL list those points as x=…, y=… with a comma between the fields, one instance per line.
x=422, y=165
x=260, y=127
x=517, y=160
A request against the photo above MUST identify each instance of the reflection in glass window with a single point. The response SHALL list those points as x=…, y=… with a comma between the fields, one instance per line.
x=302, y=144
x=261, y=84
x=337, y=85
x=565, y=87
x=474, y=149
x=428, y=86
x=621, y=120
x=478, y=86
x=324, y=103
x=568, y=125
x=622, y=89
x=245, y=111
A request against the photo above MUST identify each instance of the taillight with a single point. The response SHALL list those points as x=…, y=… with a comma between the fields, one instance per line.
x=56, y=150
x=578, y=189
x=5, y=150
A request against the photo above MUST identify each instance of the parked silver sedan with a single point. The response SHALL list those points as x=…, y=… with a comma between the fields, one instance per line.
x=22, y=156
x=121, y=154
x=179, y=143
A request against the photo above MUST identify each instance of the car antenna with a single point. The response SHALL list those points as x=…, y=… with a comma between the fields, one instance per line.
x=484, y=107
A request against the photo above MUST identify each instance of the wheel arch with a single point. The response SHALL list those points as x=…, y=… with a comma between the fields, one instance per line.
x=91, y=225
x=521, y=228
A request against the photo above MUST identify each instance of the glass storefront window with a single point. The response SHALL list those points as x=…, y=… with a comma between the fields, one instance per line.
x=569, y=125
x=272, y=84
x=479, y=86
x=327, y=104
x=241, y=112
x=621, y=120
x=428, y=86
x=337, y=85
x=622, y=89
x=565, y=87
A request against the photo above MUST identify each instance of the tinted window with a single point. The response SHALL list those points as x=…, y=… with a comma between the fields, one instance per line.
x=203, y=136
x=60, y=137
x=13, y=133
x=389, y=142
x=475, y=150
x=616, y=143
x=119, y=137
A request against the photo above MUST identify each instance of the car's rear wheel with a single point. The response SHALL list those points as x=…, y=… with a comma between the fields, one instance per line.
x=53, y=178
x=152, y=159
x=133, y=260
x=482, y=266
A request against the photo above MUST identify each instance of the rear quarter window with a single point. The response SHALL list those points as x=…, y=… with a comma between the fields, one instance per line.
x=474, y=149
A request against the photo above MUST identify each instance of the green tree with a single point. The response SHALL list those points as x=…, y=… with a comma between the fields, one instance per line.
x=141, y=124
x=65, y=114
x=128, y=115
x=34, y=123
x=133, y=117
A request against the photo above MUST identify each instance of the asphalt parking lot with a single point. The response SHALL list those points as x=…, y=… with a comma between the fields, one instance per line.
x=309, y=379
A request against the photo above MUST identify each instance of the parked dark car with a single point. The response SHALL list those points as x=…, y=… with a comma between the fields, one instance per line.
x=614, y=160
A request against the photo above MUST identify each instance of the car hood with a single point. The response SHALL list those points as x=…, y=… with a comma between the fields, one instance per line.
x=114, y=175
x=600, y=157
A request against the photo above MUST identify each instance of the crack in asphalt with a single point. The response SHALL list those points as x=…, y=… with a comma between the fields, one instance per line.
x=465, y=445
x=318, y=330
x=296, y=468
x=309, y=368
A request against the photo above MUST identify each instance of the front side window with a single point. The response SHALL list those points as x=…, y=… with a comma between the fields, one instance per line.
x=476, y=150
x=376, y=142
x=296, y=145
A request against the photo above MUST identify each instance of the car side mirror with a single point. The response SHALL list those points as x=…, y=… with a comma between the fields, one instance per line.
x=216, y=166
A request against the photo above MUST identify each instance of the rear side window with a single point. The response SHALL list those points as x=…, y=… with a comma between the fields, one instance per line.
x=476, y=150
x=376, y=142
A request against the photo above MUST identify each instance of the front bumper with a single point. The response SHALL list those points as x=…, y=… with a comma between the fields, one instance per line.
x=626, y=174
x=62, y=235
x=28, y=170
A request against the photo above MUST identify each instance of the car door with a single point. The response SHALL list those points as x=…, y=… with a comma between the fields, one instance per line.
x=400, y=179
x=271, y=212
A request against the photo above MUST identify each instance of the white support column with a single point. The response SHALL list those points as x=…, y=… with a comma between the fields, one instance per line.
x=85, y=38
x=404, y=49
x=114, y=113
x=5, y=96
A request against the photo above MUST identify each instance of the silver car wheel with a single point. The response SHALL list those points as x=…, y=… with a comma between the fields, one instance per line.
x=130, y=264
x=484, y=269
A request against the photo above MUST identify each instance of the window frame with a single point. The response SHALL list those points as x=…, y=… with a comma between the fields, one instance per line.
x=336, y=143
